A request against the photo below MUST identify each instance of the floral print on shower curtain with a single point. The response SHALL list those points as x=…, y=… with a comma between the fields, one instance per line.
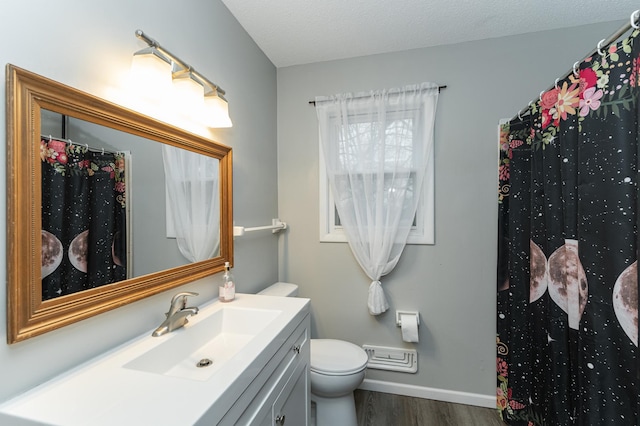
x=567, y=344
x=83, y=218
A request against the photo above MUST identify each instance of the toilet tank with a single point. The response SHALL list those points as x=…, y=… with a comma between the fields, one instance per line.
x=281, y=289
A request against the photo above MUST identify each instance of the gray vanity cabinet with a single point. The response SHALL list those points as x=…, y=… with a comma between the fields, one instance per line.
x=280, y=393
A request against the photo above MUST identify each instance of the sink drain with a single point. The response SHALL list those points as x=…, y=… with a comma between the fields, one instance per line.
x=204, y=362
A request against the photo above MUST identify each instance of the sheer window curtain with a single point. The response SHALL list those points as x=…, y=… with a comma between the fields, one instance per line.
x=376, y=149
x=192, y=182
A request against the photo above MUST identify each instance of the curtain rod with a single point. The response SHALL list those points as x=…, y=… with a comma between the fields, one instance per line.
x=605, y=42
x=357, y=97
x=70, y=142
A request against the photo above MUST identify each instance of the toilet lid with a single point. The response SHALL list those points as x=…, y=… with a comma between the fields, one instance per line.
x=337, y=357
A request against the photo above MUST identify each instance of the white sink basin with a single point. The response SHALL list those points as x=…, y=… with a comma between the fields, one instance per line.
x=198, y=350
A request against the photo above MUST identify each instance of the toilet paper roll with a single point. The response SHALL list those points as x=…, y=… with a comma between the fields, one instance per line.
x=409, y=325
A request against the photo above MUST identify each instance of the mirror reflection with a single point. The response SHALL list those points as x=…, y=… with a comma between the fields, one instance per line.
x=88, y=201
x=111, y=205
x=134, y=223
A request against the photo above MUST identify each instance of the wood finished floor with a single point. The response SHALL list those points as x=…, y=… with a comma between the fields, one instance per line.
x=383, y=409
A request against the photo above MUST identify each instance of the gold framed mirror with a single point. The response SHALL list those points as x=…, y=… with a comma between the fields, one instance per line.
x=28, y=315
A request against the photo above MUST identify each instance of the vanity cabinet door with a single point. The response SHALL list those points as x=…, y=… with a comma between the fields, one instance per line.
x=292, y=405
x=281, y=384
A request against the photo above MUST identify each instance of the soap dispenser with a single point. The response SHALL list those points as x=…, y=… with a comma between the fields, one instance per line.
x=227, y=292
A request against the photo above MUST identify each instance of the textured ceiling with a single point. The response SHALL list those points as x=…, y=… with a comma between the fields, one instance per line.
x=293, y=32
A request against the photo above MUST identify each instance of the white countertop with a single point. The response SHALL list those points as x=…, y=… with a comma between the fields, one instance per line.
x=103, y=392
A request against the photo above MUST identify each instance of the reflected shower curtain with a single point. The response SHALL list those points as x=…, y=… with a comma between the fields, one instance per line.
x=567, y=344
x=83, y=218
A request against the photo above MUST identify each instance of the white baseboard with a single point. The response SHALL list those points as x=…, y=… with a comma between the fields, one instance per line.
x=479, y=400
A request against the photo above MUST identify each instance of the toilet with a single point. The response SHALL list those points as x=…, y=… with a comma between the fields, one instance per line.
x=337, y=369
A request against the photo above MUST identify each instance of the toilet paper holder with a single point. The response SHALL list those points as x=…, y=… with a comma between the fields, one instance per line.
x=412, y=313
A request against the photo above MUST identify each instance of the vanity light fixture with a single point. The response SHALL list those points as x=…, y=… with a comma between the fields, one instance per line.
x=192, y=90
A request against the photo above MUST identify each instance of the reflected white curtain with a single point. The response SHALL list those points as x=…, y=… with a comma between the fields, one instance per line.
x=376, y=149
x=193, y=195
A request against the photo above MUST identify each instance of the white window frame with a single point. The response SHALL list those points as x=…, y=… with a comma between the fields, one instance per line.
x=422, y=233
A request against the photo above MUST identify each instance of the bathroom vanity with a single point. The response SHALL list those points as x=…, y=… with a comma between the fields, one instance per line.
x=244, y=362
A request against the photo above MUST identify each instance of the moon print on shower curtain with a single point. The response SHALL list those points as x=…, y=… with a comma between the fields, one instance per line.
x=79, y=251
x=52, y=253
x=625, y=301
x=539, y=275
x=568, y=282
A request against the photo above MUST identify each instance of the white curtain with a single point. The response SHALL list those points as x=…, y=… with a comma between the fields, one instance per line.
x=376, y=149
x=193, y=195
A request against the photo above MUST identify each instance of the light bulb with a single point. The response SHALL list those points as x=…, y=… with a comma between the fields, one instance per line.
x=188, y=93
x=150, y=73
x=216, y=111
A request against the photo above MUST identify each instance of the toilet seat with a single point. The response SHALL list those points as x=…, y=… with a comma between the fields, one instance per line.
x=336, y=357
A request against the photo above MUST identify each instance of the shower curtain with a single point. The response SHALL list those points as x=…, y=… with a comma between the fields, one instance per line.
x=567, y=342
x=83, y=218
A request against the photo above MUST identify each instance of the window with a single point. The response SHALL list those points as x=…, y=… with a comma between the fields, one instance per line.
x=400, y=123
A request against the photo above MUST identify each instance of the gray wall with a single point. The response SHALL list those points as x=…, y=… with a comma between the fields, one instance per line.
x=452, y=283
x=88, y=45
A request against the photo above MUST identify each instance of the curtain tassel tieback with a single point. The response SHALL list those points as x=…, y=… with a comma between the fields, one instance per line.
x=377, y=301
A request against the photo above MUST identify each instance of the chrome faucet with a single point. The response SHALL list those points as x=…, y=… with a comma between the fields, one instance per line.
x=177, y=315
